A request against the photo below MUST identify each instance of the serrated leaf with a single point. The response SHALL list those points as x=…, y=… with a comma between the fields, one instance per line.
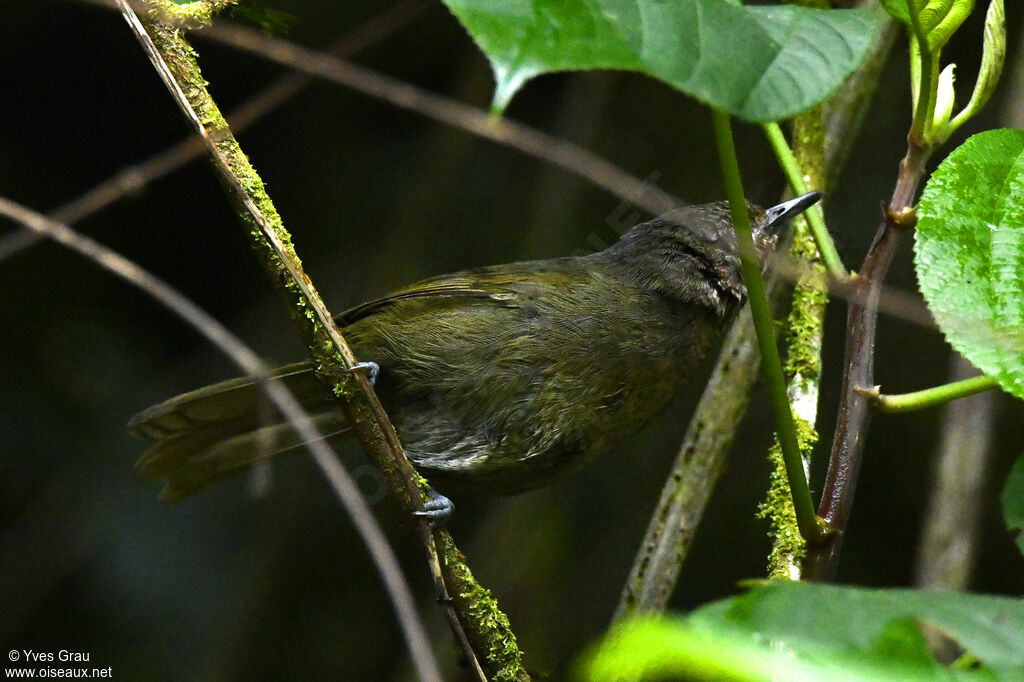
x=759, y=63
x=1012, y=499
x=969, y=253
x=934, y=21
x=806, y=631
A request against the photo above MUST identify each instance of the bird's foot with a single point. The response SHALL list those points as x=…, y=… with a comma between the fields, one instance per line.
x=438, y=511
x=372, y=369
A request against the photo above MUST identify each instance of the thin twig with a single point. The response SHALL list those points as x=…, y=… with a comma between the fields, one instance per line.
x=523, y=138
x=930, y=397
x=334, y=360
x=222, y=338
x=476, y=121
x=800, y=184
x=858, y=371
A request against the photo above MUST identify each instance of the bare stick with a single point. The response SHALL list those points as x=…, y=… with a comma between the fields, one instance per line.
x=697, y=468
x=217, y=334
x=858, y=371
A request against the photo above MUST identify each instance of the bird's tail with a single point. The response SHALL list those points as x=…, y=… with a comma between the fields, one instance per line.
x=211, y=433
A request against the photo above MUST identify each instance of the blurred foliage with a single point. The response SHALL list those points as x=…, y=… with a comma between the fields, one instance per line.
x=811, y=631
x=233, y=585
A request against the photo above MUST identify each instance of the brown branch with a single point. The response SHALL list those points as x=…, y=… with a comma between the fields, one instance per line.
x=174, y=60
x=858, y=369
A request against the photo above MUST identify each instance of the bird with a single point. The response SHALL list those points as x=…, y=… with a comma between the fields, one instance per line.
x=498, y=378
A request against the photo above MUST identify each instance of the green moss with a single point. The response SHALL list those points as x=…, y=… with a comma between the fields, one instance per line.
x=486, y=626
x=503, y=649
x=190, y=14
x=810, y=295
x=804, y=329
x=789, y=546
x=803, y=335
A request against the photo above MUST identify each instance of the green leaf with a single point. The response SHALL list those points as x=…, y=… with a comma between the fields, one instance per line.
x=992, y=57
x=806, y=631
x=933, y=21
x=760, y=63
x=969, y=253
x=1012, y=500
x=898, y=10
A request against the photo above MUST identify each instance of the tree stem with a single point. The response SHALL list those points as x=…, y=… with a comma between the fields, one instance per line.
x=858, y=370
x=765, y=329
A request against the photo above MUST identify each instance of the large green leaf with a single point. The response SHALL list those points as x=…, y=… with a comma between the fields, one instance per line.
x=804, y=631
x=969, y=253
x=758, y=63
x=1012, y=500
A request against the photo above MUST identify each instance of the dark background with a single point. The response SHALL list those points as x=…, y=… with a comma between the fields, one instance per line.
x=277, y=586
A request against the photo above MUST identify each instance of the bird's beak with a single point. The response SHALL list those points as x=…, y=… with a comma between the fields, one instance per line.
x=777, y=215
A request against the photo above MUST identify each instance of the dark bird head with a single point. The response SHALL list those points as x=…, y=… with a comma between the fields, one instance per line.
x=689, y=254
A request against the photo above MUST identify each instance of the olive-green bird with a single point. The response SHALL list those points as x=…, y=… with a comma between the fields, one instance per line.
x=499, y=377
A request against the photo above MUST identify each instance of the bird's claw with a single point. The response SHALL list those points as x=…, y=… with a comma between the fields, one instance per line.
x=372, y=370
x=438, y=510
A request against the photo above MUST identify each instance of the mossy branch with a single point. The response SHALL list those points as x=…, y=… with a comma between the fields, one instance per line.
x=804, y=333
x=489, y=637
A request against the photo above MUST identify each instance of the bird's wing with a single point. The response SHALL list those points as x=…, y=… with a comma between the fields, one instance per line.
x=450, y=290
x=502, y=284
